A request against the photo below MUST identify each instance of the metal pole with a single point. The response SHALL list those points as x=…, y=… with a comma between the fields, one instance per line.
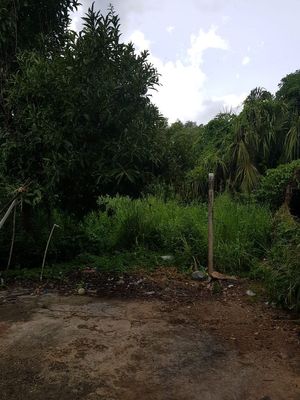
x=210, y=223
x=7, y=214
x=46, y=250
x=12, y=239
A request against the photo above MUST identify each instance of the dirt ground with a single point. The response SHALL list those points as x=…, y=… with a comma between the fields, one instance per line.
x=57, y=345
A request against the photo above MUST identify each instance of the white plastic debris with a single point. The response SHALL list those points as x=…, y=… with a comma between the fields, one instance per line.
x=167, y=257
x=81, y=291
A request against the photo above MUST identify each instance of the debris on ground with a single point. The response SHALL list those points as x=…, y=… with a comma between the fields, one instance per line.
x=199, y=275
x=222, y=277
x=167, y=257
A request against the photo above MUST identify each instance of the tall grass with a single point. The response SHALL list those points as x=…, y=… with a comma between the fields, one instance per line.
x=242, y=233
x=242, y=230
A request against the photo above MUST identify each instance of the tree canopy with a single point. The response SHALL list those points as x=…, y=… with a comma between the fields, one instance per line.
x=76, y=116
x=80, y=121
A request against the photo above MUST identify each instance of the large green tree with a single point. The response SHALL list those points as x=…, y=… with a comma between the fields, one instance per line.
x=83, y=123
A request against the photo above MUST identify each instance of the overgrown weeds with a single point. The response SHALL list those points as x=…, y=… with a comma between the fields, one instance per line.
x=242, y=230
x=126, y=234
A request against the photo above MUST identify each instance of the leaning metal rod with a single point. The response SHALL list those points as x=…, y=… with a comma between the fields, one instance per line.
x=46, y=250
x=12, y=239
x=17, y=192
x=7, y=214
x=8, y=203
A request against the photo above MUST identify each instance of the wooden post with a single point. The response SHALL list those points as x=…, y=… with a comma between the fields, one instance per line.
x=210, y=223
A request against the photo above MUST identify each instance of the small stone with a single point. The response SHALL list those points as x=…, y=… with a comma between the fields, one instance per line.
x=250, y=293
x=198, y=275
x=81, y=291
x=120, y=282
x=149, y=293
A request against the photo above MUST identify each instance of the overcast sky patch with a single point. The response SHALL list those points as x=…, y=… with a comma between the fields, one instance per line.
x=199, y=61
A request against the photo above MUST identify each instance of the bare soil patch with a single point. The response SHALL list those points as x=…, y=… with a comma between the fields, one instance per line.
x=121, y=342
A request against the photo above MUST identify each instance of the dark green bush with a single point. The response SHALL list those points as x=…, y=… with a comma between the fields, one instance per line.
x=273, y=185
x=281, y=270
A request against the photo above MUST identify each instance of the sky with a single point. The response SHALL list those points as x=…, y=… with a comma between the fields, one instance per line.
x=209, y=53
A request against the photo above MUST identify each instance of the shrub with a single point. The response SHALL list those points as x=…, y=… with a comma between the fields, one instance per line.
x=281, y=270
x=273, y=185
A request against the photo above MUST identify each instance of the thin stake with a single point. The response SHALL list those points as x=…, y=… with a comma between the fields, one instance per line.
x=7, y=214
x=46, y=250
x=12, y=239
x=210, y=223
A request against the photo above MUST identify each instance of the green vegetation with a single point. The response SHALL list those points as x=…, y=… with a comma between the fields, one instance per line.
x=272, y=188
x=78, y=124
x=242, y=231
x=280, y=270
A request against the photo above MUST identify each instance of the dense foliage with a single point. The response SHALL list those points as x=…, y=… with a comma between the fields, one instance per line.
x=83, y=112
x=273, y=185
x=77, y=122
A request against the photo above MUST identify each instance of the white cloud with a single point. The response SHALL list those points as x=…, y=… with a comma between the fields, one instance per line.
x=204, y=41
x=139, y=40
x=170, y=29
x=182, y=93
x=246, y=60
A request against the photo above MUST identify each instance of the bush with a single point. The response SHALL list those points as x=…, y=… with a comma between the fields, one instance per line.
x=281, y=270
x=273, y=185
